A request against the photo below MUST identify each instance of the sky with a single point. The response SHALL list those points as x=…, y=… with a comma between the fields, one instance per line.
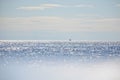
x=59, y=19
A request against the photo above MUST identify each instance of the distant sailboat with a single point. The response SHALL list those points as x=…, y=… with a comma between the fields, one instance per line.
x=70, y=39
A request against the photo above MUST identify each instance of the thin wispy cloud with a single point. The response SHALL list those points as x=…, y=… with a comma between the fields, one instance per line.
x=49, y=6
x=85, y=6
x=61, y=24
x=40, y=7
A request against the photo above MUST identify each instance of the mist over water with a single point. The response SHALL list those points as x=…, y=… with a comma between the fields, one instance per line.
x=36, y=60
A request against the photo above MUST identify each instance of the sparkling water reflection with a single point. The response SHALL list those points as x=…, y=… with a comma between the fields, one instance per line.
x=59, y=60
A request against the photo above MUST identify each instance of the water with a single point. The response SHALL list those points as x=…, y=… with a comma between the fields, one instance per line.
x=59, y=60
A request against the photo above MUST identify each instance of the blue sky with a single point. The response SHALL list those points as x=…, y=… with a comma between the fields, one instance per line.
x=59, y=19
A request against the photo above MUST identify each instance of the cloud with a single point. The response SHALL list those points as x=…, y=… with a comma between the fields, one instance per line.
x=85, y=6
x=48, y=6
x=40, y=7
x=61, y=24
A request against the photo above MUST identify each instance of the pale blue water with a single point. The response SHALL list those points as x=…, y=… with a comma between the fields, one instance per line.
x=59, y=60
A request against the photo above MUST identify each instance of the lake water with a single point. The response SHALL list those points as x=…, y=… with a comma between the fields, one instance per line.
x=59, y=60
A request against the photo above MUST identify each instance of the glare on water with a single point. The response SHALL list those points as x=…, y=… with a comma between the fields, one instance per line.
x=59, y=60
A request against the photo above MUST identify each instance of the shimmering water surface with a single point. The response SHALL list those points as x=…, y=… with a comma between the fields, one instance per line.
x=59, y=60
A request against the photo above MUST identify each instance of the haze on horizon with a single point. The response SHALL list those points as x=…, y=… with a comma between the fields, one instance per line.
x=59, y=19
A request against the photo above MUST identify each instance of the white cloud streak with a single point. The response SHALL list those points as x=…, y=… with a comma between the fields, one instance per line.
x=85, y=6
x=61, y=24
x=48, y=6
x=40, y=7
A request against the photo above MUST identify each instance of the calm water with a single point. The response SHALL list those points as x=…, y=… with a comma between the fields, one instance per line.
x=59, y=60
